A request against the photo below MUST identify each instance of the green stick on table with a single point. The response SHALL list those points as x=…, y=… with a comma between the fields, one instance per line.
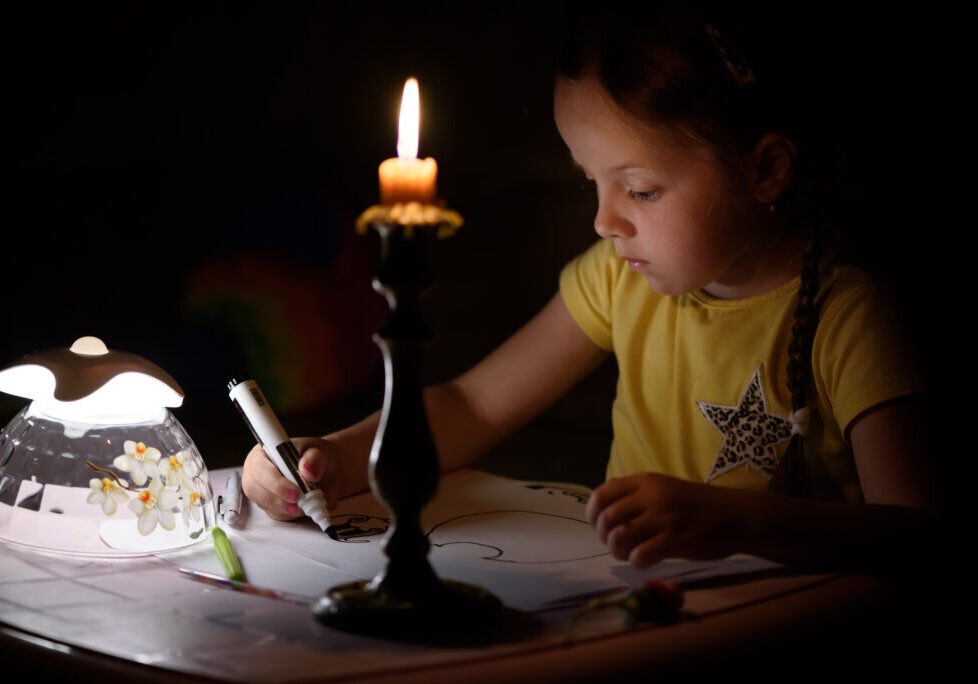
x=226, y=555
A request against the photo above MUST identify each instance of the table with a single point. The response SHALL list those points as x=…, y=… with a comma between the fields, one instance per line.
x=143, y=620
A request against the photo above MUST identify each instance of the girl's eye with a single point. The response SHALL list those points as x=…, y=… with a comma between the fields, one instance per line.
x=646, y=196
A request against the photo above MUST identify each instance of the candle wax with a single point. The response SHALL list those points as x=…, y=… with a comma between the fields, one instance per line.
x=407, y=180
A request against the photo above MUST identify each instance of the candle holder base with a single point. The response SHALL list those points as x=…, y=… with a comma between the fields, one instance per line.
x=455, y=612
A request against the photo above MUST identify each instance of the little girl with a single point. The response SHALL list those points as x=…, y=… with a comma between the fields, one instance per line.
x=763, y=405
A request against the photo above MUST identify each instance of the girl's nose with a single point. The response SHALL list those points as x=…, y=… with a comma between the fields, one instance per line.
x=608, y=223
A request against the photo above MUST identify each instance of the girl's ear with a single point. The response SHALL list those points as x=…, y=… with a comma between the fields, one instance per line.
x=774, y=162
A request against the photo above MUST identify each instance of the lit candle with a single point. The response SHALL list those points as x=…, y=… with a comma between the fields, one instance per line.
x=407, y=178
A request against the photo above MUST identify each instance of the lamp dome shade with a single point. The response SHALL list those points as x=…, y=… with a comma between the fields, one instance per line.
x=89, y=377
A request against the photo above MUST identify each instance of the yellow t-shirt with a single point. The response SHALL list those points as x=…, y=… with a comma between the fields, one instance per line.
x=702, y=389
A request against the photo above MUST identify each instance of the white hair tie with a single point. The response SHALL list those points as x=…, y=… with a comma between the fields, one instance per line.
x=800, y=420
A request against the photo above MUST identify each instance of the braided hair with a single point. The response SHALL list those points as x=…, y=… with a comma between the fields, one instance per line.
x=680, y=70
x=791, y=476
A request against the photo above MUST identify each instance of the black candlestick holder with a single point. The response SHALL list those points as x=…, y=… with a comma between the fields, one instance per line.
x=406, y=599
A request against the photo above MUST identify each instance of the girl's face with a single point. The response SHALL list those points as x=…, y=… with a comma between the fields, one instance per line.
x=671, y=211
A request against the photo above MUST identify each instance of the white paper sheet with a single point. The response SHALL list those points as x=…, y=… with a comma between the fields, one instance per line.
x=525, y=542
x=528, y=543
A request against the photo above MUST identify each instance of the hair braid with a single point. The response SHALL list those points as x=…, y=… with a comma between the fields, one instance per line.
x=791, y=476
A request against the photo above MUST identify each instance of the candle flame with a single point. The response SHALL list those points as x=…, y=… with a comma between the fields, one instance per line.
x=410, y=121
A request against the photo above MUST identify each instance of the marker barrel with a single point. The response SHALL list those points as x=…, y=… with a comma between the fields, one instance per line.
x=267, y=428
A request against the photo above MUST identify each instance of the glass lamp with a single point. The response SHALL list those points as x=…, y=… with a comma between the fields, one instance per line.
x=96, y=464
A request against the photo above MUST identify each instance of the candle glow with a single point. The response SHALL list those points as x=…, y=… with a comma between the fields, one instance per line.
x=407, y=178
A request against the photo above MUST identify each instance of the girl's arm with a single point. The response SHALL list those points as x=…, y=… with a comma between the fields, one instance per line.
x=528, y=373
x=645, y=518
x=467, y=415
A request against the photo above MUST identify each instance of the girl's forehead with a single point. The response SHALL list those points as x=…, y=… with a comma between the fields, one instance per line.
x=592, y=123
x=587, y=99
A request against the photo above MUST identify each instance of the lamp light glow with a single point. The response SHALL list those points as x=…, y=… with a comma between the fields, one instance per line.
x=89, y=346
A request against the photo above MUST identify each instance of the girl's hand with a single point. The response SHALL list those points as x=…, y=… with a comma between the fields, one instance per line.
x=264, y=485
x=647, y=517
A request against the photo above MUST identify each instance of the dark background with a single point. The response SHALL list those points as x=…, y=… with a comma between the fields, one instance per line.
x=183, y=179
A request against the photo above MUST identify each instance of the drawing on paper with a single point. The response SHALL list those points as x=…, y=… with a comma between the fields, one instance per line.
x=529, y=537
x=353, y=527
x=582, y=494
x=518, y=536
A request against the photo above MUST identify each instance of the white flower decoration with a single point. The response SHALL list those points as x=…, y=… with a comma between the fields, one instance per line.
x=153, y=505
x=191, y=505
x=106, y=493
x=140, y=460
x=180, y=471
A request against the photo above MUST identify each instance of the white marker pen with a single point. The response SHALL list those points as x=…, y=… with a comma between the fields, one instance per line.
x=267, y=429
x=231, y=499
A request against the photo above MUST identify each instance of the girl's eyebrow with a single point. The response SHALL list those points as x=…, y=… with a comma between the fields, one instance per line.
x=631, y=166
x=627, y=166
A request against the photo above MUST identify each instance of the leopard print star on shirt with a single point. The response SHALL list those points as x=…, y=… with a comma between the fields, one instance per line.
x=749, y=432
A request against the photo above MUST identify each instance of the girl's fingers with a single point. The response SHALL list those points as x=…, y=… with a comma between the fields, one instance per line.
x=312, y=464
x=607, y=494
x=649, y=552
x=616, y=514
x=624, y=538
x=274, y=506
x=269, y=477
x=265, y=486
x=313, y=467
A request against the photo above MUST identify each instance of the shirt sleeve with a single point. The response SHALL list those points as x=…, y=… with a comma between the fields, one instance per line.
x=587, y=286
x=860, y=357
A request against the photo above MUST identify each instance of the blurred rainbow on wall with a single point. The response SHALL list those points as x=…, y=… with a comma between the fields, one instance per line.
x=298, y=318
